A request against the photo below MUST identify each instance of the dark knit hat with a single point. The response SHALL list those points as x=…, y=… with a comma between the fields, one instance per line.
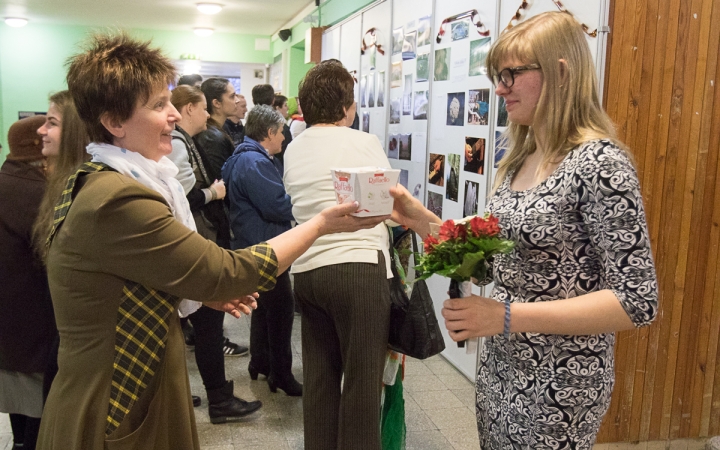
x=24, y=142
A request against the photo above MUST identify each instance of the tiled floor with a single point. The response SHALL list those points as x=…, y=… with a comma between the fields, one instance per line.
x=439, y=404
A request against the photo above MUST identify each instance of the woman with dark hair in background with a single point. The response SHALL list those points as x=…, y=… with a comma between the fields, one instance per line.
x=280, y=104
x=341, y=281
x=27, y=326
x=218, y=146
x=204, y=196
x=260, y=210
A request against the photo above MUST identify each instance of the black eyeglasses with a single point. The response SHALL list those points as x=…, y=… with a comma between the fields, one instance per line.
x=507, y=76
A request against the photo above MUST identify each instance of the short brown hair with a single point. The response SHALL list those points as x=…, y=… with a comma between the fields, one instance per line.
x=186, y=95
x=111, y=76
x=326, y=92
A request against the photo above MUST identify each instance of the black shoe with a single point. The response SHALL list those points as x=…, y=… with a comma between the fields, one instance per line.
x=233, y=349
x=254, y=371
x=196, y=401
x=189, y=334
x=290, y=385
x=225, y=407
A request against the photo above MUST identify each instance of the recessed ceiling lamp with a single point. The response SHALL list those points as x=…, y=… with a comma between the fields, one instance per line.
x=209, y=8
x=204, y=32
x=16, y=22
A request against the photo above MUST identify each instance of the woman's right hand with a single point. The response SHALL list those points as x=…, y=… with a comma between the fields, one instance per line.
x=410, y=212
x=337, y=219
x=219, y=187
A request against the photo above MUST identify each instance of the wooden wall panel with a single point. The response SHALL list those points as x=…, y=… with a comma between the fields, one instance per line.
x=660, y=89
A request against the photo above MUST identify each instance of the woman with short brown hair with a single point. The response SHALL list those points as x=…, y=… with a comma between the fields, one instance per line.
x=340, y=282
x=123, y=253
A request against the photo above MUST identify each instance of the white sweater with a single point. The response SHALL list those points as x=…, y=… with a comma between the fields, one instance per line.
x=308, y=161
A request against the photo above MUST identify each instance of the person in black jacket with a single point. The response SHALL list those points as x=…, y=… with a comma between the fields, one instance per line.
x=280, y=104
x=27, y=325
x=233, y=125
x=218, y=146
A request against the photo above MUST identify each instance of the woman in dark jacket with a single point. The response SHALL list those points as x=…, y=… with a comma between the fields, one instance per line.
x=27, y=325
x=260, y=210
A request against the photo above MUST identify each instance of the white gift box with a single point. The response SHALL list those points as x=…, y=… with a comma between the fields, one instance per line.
x=369, y=186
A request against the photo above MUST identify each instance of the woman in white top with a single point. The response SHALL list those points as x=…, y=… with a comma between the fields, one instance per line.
x=341, y=281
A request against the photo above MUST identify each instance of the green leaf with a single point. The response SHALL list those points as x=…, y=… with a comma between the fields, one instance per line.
x=470, y=260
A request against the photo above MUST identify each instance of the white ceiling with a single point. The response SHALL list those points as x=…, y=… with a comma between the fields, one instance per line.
x=263, y=17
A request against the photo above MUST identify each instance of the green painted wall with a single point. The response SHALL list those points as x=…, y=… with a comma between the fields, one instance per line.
x=297, y=70
x=32, y=61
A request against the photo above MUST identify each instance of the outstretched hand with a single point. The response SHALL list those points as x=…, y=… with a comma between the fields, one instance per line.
x=473, y=316
x=337, y=219
x=236, y=307
x=410, y=212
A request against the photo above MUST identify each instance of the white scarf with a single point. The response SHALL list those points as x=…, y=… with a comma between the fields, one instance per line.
x=158, y=176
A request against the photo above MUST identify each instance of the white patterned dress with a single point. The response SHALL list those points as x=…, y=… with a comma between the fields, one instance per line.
x=580, y=231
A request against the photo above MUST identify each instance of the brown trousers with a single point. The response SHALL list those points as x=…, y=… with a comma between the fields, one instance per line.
x=345, y=312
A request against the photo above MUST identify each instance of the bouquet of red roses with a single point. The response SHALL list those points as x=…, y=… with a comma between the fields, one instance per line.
x=461, y=249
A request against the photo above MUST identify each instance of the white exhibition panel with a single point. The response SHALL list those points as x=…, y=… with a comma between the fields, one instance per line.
x=350, y=35
x=433, y=112
x=331, y=44
x=373, y=80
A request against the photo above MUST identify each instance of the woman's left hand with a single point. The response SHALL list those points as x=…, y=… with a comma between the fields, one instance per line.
x=473, y=316
x=236, y=307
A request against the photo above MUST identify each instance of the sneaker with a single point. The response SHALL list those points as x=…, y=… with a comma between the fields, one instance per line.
x=233, y=349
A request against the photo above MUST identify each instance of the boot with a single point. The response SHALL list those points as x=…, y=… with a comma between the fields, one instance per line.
x=224, y=406
x=289, y=384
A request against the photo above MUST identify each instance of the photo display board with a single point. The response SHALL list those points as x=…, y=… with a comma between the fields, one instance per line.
x=409, y=88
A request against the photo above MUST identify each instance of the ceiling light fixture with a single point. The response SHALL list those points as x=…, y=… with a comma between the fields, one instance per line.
x=209, y=8
x=16, y=22
x=204, y=32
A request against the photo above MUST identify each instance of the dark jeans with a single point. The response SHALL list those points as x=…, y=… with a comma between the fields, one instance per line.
x=271, y=328
x=25, y=430
x=209, y=356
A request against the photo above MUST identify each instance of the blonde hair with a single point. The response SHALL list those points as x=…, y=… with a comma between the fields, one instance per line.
x=569, y=105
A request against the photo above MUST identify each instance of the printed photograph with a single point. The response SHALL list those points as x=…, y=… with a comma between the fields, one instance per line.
x=470, y=205
x=398, y=38
x=460, y=29
x=478, y=106
x=381, y=89
x=437, y=169
x=474, y=155
x=409, y=47
x=456, y=109
x=422, y=67
x=435, y=203
x=407, y=95
x=396, y=75
x=502, y=118
x=395, y=110
x=404, y=177
x=393, y=147
x=478, y=54
x=501, y=146
x=420, y=105
x=453, y=177
x=442, y=62
x=371, y=90
x=424, y=32
x=363, y=92
x=366, y=122
x=405, y=146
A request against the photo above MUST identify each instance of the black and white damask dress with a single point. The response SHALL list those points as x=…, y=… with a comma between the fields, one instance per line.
x=580, y=231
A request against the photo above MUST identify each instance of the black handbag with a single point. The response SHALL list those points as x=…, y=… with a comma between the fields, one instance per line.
x=414, y=328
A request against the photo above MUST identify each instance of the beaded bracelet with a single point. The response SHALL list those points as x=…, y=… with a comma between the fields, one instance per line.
x=506, y=327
